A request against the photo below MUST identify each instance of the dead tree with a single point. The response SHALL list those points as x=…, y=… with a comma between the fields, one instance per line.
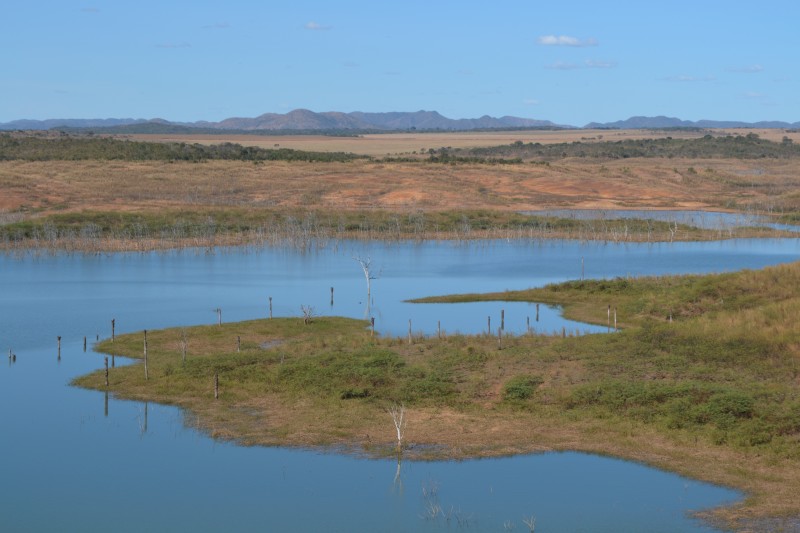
x=308, y=313
x=398, y=413
x=366, y=266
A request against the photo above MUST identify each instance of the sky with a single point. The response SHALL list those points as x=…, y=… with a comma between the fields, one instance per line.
x=571, y=62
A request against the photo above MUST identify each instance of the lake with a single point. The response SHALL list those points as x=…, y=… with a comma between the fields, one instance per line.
x=75, y=460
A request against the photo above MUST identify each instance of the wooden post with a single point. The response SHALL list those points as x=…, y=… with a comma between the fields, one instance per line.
x=219, y=316
x=105, y=405
x=528, y=323
x=489, y=325
x=502, y=319
x=113, y=361
x=331, y=296
x=216, y=385
x=270, y=307
x=145, y=355
x=670, y=317
x=563, y=332
x=582, y=268
x=113, y=324
x=97, y=337
x=609, y=319
x=439, y=329
x=59, y=347
x=537, y=312
x=372, y=321
x=615, y=318
x=106, y=361
x=84, y=343
x=409, y=331
x=238, y=343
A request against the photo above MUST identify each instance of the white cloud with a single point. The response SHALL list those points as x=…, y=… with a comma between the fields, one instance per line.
x=314, y=26
x=747, y=69
x=565, y=40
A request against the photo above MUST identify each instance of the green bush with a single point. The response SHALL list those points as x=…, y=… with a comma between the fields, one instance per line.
x=521, y=388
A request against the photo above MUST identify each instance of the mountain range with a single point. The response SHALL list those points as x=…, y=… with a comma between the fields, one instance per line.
x=306, y=121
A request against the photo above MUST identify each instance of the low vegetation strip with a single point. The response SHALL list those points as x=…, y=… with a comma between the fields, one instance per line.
x=703, y=379
x=207, y=227
x=749, y=146
x=79, y=148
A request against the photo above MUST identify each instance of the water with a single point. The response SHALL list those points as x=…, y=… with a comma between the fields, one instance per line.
x=74, y=460
x=712, y=220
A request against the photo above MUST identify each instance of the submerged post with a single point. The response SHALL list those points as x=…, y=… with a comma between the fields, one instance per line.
x=439, y=329
x=270, y=307
x=489, y=325
x=528, y=323
x=331, y=296
x=372, y=321
x=502, y=319
x=145, y=355
x=59, y=347
x=113, y=324
x=219, y=315
x=113, y=361
x=537, y=312
x=563, y=332
x=84, y=343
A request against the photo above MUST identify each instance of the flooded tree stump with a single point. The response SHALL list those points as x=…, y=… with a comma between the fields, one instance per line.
x=84, y=343
x=537, y=312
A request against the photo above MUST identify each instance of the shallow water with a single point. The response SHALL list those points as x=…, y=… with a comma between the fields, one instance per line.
x=72, y=460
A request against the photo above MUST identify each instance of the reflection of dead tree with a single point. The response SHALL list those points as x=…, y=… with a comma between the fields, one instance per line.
x=530, y=522
x=398, y=413
x=308, y=313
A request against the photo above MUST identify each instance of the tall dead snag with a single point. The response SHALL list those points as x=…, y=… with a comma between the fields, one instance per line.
x=366, y=266
x=398, y=413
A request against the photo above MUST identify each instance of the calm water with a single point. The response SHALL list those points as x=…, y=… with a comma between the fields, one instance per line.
x=72, y=461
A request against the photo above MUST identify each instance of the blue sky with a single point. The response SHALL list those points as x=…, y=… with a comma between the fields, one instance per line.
x=569, y=62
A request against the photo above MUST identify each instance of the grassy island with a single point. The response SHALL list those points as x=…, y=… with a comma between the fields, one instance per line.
x=703, y=379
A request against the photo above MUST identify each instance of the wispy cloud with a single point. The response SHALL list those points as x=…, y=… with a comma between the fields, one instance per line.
x=315, y=26
x=530, y=101
x=565, y=40
x=689, y=79
x=589, y=63
x=217, y=26
x=183, y=44
x=747, y=69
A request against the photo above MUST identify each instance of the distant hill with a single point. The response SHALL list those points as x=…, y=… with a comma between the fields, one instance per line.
x=305, y=121
x=299, y=120
x=661, y=122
